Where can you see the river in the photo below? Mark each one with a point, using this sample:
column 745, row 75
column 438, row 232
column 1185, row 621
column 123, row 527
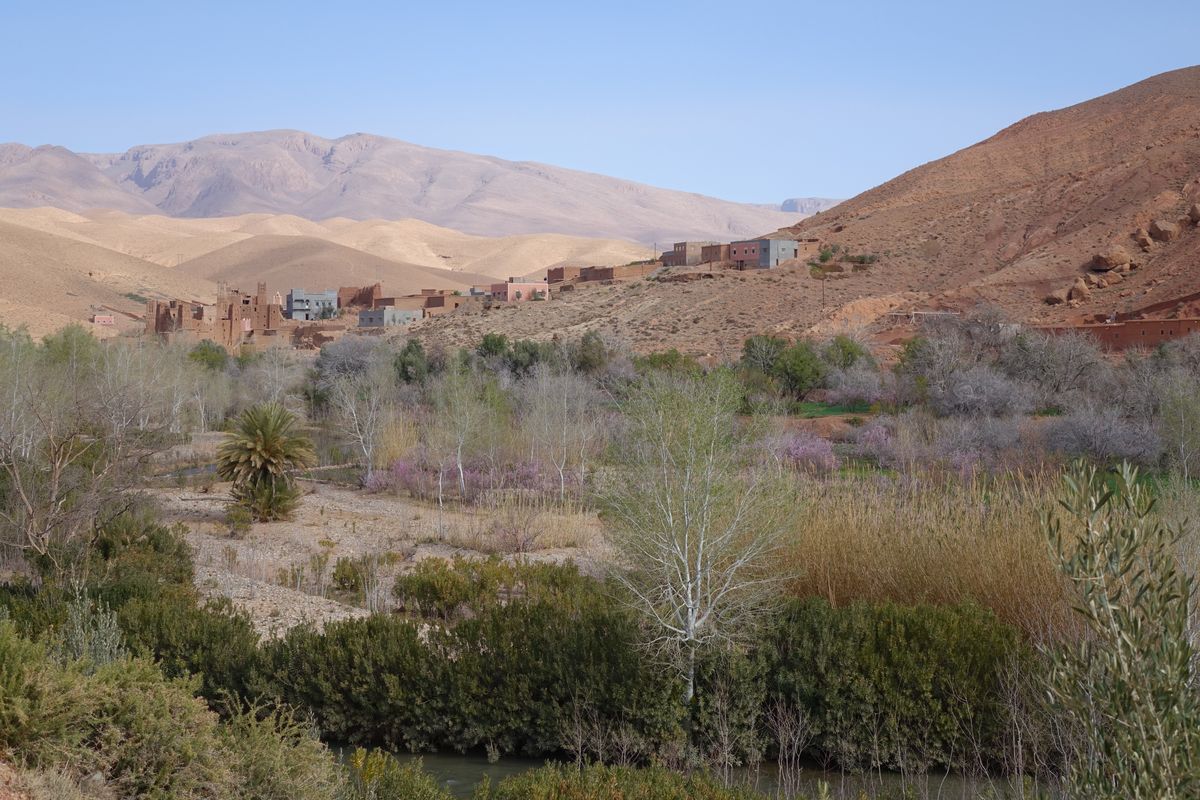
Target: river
column 460, row 774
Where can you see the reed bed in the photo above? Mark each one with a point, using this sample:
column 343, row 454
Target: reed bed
column 931, row 539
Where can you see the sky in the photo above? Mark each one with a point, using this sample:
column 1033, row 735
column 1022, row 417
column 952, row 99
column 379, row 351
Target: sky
column 753, row 100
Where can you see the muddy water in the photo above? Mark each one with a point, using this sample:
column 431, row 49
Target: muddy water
column 460, row 774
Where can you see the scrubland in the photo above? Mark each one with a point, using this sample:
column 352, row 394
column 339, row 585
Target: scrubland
column 559, row 550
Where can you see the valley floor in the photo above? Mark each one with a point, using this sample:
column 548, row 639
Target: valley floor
column 281, row 573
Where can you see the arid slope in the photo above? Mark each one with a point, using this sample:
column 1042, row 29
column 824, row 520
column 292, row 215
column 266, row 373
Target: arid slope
column 285, row 262
column 1025, row 211
column 1006, row 221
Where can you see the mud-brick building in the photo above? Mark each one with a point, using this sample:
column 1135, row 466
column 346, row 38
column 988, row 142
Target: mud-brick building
column 514, row 291
column 762, row 253
column 562, row 274
column 236, row 318
column 359, row 296
column 714, row 253
column 1147, row 333
column 685, row 254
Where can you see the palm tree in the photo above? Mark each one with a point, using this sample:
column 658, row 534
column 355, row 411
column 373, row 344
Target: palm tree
column 258, row 457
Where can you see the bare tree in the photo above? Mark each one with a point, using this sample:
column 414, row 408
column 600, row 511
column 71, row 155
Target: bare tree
column 1179, row 421
column 460, row 418
column 273, row 377
column 793, row 732
column 364, row 404
column 695, row 523
column 562, row 414
column 73, row 432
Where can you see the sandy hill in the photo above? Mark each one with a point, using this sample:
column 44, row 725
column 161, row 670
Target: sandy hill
column 1025, row 211
column 1005, row 221
column 171, row 241
column 49, row 281
column 369, row 177
column 286, row 262
column 59, row 266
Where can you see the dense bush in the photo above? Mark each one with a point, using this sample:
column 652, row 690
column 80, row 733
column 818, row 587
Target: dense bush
column 143, row 735
column 213, row 642
column 508, row 675
column 979, row 390
column 1104, row 434
column 893, row 686
column 800, row 369
column 514, row 660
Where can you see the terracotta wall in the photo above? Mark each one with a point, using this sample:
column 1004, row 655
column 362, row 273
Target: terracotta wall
column 1148, row 333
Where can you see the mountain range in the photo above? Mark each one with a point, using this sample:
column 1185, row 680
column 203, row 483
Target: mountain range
column 362, row 176
column 1044, row 206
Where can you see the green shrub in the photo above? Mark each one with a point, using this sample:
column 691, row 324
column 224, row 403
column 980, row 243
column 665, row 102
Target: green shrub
column 136, row 557
column 37, row 702
column 214, row 642
column 437, row 589
column 268, row 500
column 346, row 575
column 147, row 736
column 276, row 757
column 842, row 352
column 142, row 735
column 890, row 686
column 365, row 681
column 799, row 369
column 373, row 775
column 539, row 644
column 239, row 519
column 667, row 361
column 492, row 345
column 210, row 355
column 150, row 737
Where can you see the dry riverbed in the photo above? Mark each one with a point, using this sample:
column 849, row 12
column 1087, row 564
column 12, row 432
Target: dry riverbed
column 283, row 573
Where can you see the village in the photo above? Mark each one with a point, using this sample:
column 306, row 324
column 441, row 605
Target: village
column 307, row 319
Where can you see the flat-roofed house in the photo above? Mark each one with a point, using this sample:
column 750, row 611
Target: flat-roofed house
column 513, row 291
column 762, row 253
column 685, row 254
column 387, row 317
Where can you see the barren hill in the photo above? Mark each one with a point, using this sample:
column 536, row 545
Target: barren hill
column 50, row 281
column 54, row 176
column 1005, row 221
column 171, row 241
column 369, row 177
column 285, row 262
column 58, row 267
column 1024, row 212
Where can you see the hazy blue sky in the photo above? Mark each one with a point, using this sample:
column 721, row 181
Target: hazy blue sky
column 748, row 100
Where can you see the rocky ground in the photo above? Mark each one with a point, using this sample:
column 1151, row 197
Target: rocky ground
column 282, row 573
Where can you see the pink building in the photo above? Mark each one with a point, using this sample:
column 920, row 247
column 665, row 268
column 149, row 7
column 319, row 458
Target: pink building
column 514, row 291
column 107, row 320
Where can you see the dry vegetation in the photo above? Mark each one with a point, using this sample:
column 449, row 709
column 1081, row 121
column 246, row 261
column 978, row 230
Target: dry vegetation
column 931, row 539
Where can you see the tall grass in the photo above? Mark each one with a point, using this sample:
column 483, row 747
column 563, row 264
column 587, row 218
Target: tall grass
column 930, row 539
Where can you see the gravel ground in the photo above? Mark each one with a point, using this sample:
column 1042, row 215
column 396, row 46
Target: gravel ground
column 281, row 572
